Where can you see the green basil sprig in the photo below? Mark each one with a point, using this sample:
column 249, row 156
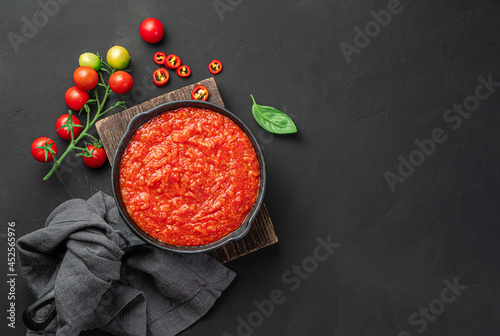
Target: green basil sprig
column 272, row 120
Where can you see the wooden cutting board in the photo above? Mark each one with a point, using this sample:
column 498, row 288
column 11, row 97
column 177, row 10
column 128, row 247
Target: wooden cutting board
column 112, row 128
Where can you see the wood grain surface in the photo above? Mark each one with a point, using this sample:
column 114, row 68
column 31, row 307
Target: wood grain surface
column 112, row 128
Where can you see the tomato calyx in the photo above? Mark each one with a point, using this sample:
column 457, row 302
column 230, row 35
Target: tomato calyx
column 160, row 77
column 172, row 62
column 183, row 71
column 159, row 58
column 215, row 67
column 69, row 126
column 86, row 152
column 200, row 92
column 93, row 154
column 47, row 149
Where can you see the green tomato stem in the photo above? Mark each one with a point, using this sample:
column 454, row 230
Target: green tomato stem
column 93, row 138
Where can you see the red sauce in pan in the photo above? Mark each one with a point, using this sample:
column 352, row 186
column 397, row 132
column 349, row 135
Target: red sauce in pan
column 189, row 177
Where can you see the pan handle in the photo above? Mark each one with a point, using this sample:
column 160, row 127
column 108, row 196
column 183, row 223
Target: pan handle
column 128, row 237
column 35, row 323
column 30, row 318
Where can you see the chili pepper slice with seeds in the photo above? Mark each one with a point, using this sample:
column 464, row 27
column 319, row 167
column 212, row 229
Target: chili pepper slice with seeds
column 160, row 77
column 172, row 62
column 215, row 67
column 159, row 57
column 184, row 71
column 199, row 92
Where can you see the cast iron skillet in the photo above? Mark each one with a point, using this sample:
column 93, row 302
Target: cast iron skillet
column 126, row 226
column 143, row 118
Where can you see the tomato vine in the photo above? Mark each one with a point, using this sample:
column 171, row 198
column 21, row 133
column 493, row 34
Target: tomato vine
column 101, row 110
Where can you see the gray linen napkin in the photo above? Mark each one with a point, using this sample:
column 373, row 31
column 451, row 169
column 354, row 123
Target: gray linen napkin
column 100, row 283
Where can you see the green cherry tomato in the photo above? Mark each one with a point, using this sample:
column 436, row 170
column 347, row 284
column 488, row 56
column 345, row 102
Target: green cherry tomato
column 118, row 58
column 90, row 60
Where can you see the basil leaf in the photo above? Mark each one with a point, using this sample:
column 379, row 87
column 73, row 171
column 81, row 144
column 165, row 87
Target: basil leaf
column 272, row 120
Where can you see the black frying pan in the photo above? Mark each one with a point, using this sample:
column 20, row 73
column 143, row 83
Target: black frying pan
column 143, row 118
column 126, row 226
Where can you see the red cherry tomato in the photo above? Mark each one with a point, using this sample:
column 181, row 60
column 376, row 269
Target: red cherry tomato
column 159, row 57
column 63, row 130
column 172, row 62
column 75, row 98
column 44, row 149
column 184, row 71
column 121, row 82
column 85, row 78
column 98, row 157
column 151, row 30
column 200, row 92
column 160, row 77
column 215, row 67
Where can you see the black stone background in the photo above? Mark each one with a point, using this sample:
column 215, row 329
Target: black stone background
column 354, row 119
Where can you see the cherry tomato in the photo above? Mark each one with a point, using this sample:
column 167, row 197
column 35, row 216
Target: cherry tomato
column 44, row 149
column 215, row 67
column 199, row 92
column 91, row 60
column 63, row 129
column 172, row 62
column 98, row 156
column 184, row 71
column 75, row 98
column 151, row 30
column 159, row 57
column 121, row 82
column 118, row 58
column 160, row 77
column 85, row 78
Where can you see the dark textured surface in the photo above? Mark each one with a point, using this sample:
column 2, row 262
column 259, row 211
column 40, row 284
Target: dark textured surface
column 355, row 119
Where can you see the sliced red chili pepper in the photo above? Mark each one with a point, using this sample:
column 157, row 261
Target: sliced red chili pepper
column 199, row 93
column 172, row 62
column 215, row 67
column 159, row 58
column 160, row 77
column 184, row 71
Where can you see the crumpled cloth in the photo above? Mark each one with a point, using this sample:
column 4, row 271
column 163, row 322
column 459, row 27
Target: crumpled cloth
column 100, row 283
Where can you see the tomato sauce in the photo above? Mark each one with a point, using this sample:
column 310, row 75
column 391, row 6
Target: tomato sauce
column 189, row 177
